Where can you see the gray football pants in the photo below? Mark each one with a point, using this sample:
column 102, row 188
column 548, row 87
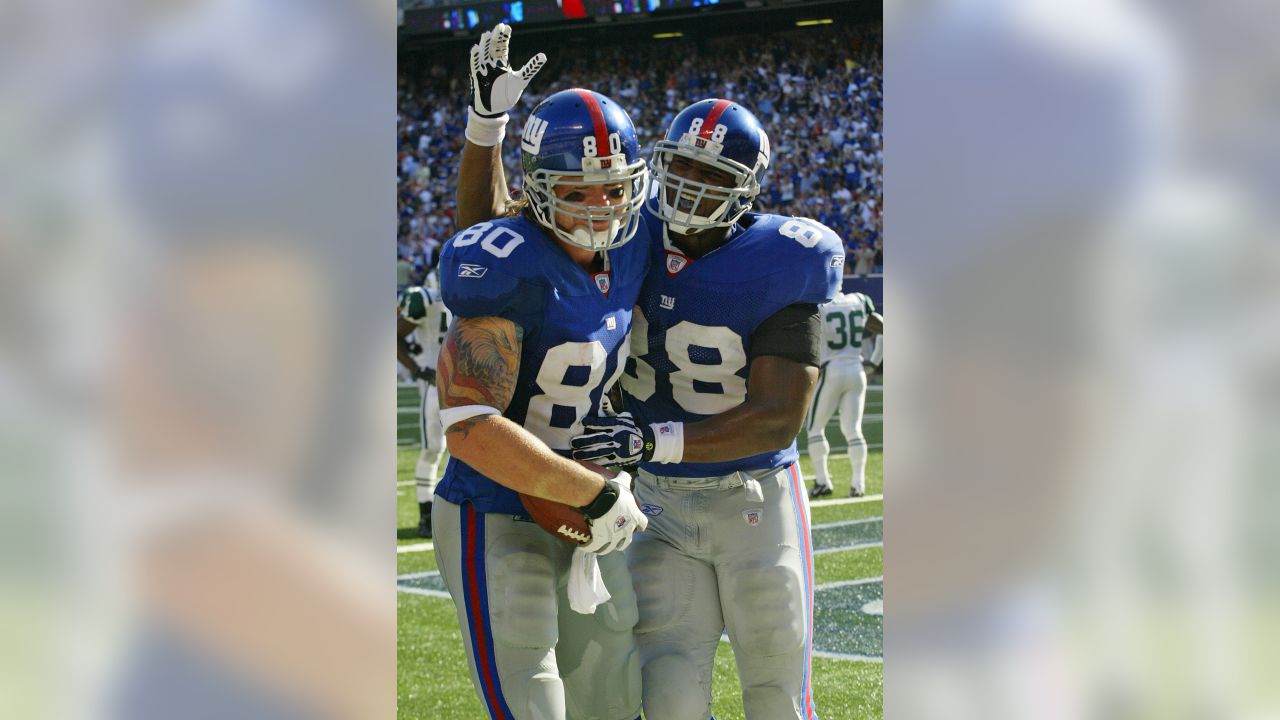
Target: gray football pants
column 725, row 553
column 531, row 657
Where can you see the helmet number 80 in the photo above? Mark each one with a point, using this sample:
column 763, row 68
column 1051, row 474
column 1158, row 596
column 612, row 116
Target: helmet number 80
column 589, row 145
column 717, row 135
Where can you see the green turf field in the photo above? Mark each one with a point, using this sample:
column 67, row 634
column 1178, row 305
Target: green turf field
column 433, row 683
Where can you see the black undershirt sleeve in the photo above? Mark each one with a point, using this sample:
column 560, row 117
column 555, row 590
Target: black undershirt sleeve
column 794, row 332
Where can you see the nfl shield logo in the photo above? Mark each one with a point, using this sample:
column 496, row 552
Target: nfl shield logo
column 676, row 263
column 602, row 281
column 752, row 517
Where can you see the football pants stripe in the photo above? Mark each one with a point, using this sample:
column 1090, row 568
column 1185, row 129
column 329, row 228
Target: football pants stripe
column 802, row 522
column 475, row 587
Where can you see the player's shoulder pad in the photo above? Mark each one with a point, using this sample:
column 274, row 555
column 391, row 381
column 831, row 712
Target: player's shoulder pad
column 413, row 304
column 812, row 256
column 492, row 268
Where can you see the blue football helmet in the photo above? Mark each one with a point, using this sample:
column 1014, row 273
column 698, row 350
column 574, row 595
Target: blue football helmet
column 725, row 137
column 579, row 137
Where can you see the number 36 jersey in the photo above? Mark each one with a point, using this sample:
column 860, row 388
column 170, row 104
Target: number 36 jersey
column 691, row 336
column 574, row 323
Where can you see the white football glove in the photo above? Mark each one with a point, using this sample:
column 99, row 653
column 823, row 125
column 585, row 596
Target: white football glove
column 613, row 524
column 495, row 87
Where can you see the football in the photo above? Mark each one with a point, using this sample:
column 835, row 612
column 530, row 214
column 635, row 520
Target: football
column 564, row 521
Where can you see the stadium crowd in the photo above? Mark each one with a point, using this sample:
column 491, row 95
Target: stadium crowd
column 817, row 90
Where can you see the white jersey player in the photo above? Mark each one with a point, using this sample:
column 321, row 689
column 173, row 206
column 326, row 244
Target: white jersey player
column 423, row 315
column 846, row 321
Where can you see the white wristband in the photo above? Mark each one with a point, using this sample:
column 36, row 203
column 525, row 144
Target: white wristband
column 451, row 416
column 483, row 131
column 668, row 442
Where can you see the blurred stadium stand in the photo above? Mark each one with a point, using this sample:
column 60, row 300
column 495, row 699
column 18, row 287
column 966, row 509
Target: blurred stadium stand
column 810, row 70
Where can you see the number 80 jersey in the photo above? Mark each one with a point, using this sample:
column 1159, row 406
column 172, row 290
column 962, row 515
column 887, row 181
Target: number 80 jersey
column 574, row 333
column 691, row 340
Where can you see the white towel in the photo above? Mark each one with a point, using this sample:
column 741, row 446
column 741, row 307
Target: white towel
column 586, row 585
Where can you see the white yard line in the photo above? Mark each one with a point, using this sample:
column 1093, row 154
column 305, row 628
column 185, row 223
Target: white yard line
column 425, row 591
column 847, row 523
column 416, row 547
column 846, row 500
column 843, row 548
column 846, row 583
column 847, row 656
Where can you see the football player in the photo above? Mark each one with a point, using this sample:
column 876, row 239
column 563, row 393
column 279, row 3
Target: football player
column 842, row 385
column 543, row 302
column 725, row 354
column 423, row 315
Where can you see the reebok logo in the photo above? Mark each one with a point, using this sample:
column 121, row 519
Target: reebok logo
column 837, row 261
column 471, row 271
column 651, row 510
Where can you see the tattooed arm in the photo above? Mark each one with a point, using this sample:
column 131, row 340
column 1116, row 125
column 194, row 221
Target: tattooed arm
column 478, row 365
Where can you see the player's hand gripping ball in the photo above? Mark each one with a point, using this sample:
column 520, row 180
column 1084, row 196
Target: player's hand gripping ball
column 614, row 520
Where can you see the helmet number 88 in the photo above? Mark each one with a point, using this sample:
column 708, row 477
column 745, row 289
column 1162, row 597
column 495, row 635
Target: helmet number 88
column 717, row 135
column 589, row 145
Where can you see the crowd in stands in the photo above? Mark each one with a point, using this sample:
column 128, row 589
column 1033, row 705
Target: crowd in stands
column 818, row 91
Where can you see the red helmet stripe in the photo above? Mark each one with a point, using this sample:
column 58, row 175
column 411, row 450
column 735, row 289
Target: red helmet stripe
column 713, row 117
column 597, row 120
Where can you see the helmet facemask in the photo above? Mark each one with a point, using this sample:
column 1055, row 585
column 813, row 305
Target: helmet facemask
column 623, row 218
column 680, row 200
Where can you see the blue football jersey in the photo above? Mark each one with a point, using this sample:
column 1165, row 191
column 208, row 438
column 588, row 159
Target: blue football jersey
column 575, row 326
column 691, row 336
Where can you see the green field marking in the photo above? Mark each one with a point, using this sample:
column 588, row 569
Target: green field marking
column 847, row 534
column 819, row 514
column 846, row 620
column 848, row 565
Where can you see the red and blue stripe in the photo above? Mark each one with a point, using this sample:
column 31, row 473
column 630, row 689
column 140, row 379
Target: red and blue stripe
column 798, row 498
column 597, row 121
column 475, row 588
column 713, row 117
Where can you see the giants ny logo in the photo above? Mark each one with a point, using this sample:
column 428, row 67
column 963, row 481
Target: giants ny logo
column 531, row 140
column 667, row 302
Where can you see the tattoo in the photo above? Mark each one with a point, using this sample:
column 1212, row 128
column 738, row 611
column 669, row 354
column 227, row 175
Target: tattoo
column 479, row 363
column 462, row 428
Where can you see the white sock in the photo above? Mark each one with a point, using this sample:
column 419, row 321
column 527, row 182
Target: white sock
column 858, row 459
column 819, row 450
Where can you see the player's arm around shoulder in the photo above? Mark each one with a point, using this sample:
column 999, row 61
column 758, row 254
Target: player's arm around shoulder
column 476, row 379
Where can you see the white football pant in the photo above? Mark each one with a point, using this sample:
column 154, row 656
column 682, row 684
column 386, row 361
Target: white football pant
column 717, row 557
column 431, row 434
column 842, row 386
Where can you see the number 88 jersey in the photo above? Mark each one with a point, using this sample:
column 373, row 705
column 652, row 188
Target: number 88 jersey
column 574, row 333
column 691, row 335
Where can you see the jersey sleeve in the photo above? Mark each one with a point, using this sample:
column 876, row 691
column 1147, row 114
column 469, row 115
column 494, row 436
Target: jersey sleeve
column 813, row 270
column 475, row 283
column 870, row 305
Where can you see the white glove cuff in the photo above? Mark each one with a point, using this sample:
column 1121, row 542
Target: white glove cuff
column 483, row 131
column 668, row 442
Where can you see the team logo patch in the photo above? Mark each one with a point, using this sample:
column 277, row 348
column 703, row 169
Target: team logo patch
column 611, row 323
column 651, row 510
column 531, row 138
column 602, row 282
column 667, row 302
column 471, row 271
column 752, row 517
column 676, row 262
column 636, row 444
column 837, row 261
